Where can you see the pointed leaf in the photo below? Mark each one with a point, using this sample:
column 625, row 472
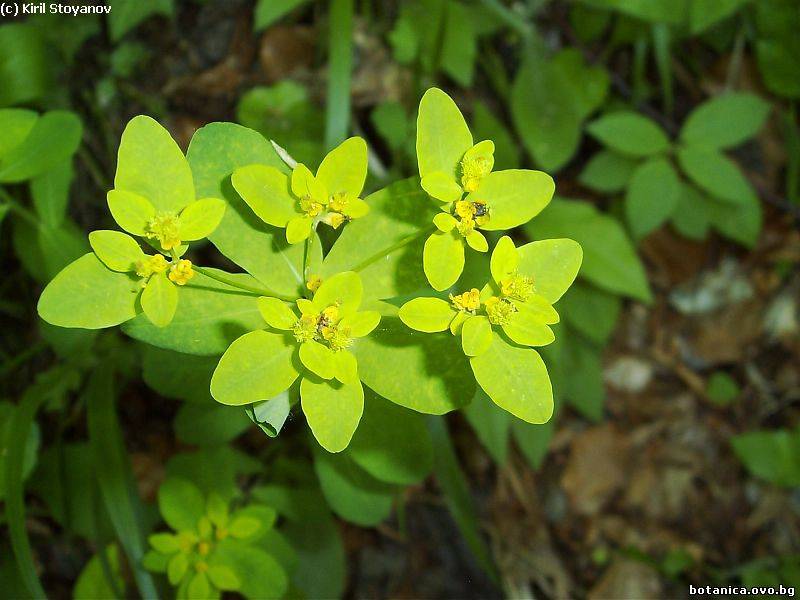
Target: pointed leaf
column 513, row 197
column 725, row 121
column 477, row 241
column 516, row 380
column 344, row 169
column 553, row 264
column 505, row 259
column 119, row 252
column 442, row 134
column 652, row 196
column 629, row 133
column 443, row 259
column 716, row 174
column 427, row 314
column 333, row 410
column 305, row 185
column 257, row 366
column 200, row 218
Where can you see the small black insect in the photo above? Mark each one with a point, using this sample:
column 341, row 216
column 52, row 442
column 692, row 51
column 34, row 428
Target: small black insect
column 481, row 209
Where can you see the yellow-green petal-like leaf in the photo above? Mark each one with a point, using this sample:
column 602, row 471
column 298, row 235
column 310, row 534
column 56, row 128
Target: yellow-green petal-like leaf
column 514, row 196
column 152, row 165
column 257, row 366
column 476, row 336
column 442, row 186
column 131, row 211
column 159, row 300
column 344, row 169
column 200, row 218
column 276, row 313
column 119, row 252
column 442, row 134
column 527, row 329
column 266, row 191
column 16, row 124
column 86, row 294
column 224, row 578
column 476, row 241
column 344, row 289
column 356, row 207
column 318, row 359
column 333, row 410
column 305, row 185
column 444, row 222
column 362, row 323
column 537, row 306
column 443, row 259
column 346, row 366
column 505, row 259
column 553, row 264
column 516, row 380
column 298, row 229
column 427, row 314
column 458, row 322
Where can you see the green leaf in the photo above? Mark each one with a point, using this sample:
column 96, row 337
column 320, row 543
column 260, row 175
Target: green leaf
column 426, row 373
column 362, row 323
column 257, row 366
column 777, row 62
column 119, row 252
column 351, row 492
column 50, row 192
column 591, row 311
column 515, row 379
column 533, row 440
column 459, row 44
column 223, row 578
column 652, row 196
column 159, row 300
column 199, row 586
column 629, row 133
column 550, row 100
column 654, row 11
column 391, row 443
column 208, row 424
column 722, row 389
column 124, row 16
column 268, row 12
column 92, row 581
column 180, row 376
column 200, row 218
column 112, row 471
column 725, row 121
column 716, row 174
column 222, row 314
column 181, row 504
column 16, row 124
column 609, row 259
column 476, row 336
column 26, row 74
column 266, row 191
column 441, row 186
column 343, row 289
column 442, row 134
column 333, row 410
column 741, row 224
column 276, row 313
column 45, row 250
column 318, row 359
column 504, row 260
column 88, row 295
column 242, row 237
column 385, row 247
column 131, row 211
column 270, row 415
column 553, row 264
column 259, row 573
column 584, row 388
column 527, row 329
column 487, row 127
column 151, row 164
column 177, row 567
column 770, row 455
column 299, row 229
column 705, row 13
column 491, row 424
column 691, row 215
column 166, row 543
column 54, row 137
column 608, row 172
column 344, row 169
column 427, row 314
column 443, row 259
column 514, row 197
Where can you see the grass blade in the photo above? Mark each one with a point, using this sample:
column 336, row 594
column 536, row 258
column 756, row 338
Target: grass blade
column 114, row 475
column 454, row 486
column 340, row 44
column 21, row 424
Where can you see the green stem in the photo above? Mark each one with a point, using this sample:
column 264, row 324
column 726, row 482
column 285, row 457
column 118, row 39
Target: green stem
column 258, row 291
column 515, row 21
column 396, row 246
column 18, row 209
column 340, row 43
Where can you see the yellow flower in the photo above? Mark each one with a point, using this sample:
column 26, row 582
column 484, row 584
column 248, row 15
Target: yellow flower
column 465, row 209
column 468, row 301
column 164, row 228
column 152, row 264
column 313, row 283
column 181, row 272
column 338, row 202
column 473, row 169
column 499, row 310
column 305, row 328
column 338, row 338
column 335, row 219
column 310, row 207
column 518, row 287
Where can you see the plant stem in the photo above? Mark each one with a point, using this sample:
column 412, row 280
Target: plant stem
column 255, row 290
column 396, row 246
column 18, row 209
column 514, row 20
column 340, row 44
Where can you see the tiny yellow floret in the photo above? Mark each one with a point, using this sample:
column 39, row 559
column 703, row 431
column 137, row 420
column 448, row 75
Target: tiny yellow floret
column 313, row 283
column 338, row 202
column 201, row 566
column 473, row 169
column 338, row 337
column 499, row 310
column 465, row 209
column 468, row 301
column 181, row 272
column 150, row 265
column 164, row 227
column 518, row 287
column 335, row 219
column 305, row 328
column 203, row 548
column 311, row 207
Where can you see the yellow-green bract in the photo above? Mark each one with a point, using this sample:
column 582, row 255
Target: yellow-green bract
column 512, row 311
column 458, row 175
